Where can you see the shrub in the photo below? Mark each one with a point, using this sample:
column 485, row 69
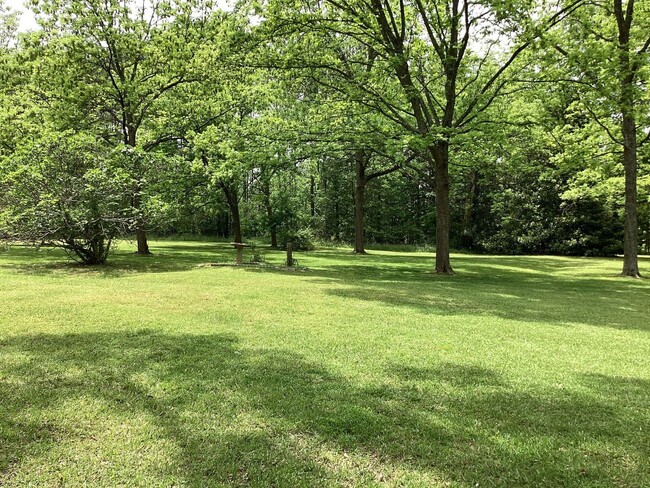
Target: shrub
column 256, row 256
column 67, row 191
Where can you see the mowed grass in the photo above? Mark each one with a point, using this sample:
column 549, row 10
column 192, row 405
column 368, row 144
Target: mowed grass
column 359, row 371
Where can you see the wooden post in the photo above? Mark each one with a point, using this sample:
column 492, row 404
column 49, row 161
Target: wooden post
column 239, row 255
column 289, row 254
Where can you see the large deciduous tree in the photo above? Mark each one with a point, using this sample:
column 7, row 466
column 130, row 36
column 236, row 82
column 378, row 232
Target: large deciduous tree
column 606, row 50
column 120, row 59
column 433, row 70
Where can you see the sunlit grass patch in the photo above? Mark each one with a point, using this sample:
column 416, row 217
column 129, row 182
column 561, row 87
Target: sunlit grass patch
column 363, row 370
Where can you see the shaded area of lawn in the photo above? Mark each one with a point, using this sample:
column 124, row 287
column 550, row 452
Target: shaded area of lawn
column 554, row 290
column 169, row 257
column 271, row 417
column 361, row 371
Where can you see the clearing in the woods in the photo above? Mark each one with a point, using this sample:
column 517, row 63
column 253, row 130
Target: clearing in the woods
column 357, row 371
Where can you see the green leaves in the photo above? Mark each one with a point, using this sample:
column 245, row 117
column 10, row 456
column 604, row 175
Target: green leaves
column 67, row 190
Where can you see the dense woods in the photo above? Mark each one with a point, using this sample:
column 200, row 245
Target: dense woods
column 496, row 127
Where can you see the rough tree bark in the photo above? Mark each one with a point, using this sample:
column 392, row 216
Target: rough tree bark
column 468, row 214
column 630, row 241
column 266, row 191
column 628, row 129
column 360, row 161
column 230, row 191
column 140, row 233
column 312, row 196
column 362, row 178
column 443, row 213
column 130, row 136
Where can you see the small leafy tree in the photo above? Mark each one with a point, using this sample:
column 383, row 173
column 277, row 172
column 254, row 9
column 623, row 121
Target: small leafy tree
column 112, row 63
column 68, row 191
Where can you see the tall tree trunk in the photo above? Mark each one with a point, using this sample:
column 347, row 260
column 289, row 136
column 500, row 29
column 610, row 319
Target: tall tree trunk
column 443, row 213
column 266, row 190
column 359, row 201
column 141, row 237
column 337, row 219
column 628, row 129
column 140, row 224
column 140, row 233
column 233, row 204
column 468, row 214
column 630, row 242
column 312, row 196
column 469, row 202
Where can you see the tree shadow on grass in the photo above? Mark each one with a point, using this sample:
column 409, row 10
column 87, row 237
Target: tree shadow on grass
column 462, row 262
column 122, row 262
column 534, row 289
column 523, row 288
column 269, row 417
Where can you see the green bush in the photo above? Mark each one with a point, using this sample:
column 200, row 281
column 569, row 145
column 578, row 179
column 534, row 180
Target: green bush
column 67, row 190
column 256, row 256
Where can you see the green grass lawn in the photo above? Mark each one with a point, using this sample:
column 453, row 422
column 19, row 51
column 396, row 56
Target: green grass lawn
column 359, row 371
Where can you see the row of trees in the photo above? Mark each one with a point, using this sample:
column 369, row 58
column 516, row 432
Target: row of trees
column 499, row 127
